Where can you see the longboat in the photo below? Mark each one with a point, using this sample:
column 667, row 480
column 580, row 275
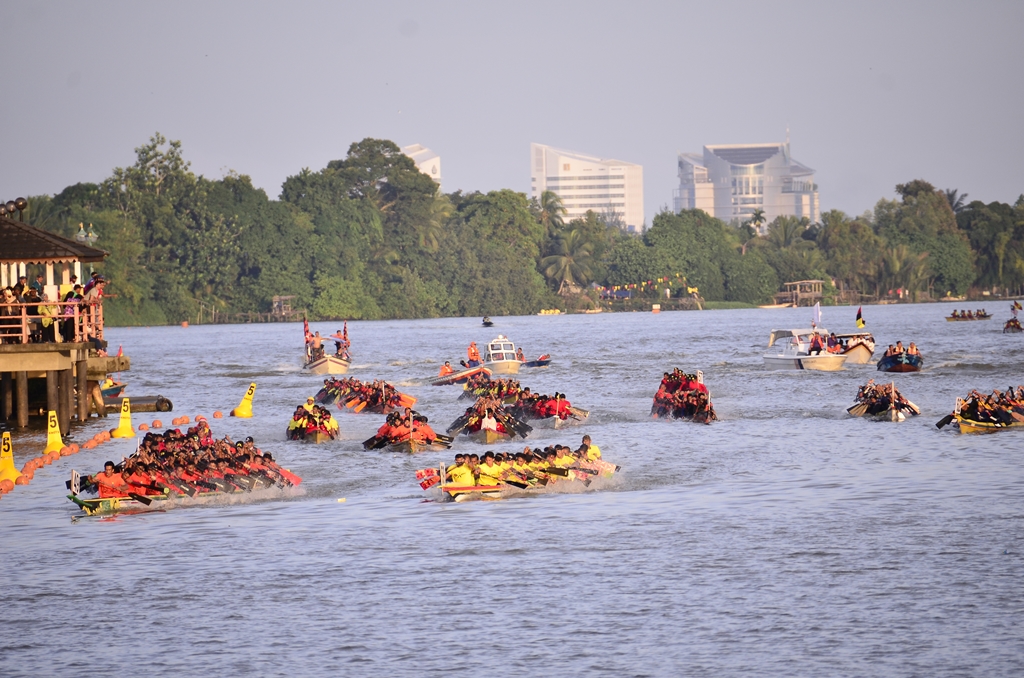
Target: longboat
column 1012, row 326
column 143, row 503
column 901, row 362
column 571, row 479
column 793, row 352
column 979, row 316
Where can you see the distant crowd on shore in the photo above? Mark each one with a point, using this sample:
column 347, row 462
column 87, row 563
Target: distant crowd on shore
column 49, row 317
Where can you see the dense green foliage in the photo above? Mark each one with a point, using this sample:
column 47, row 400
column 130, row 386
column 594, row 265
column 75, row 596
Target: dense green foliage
column 369, row 236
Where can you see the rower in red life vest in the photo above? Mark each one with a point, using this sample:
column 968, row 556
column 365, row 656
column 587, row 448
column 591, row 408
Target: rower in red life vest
column 446, row 369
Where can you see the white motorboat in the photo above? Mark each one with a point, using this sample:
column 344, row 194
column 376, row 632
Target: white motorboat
column 858, row 347
column 792, row 352
column 500, row 356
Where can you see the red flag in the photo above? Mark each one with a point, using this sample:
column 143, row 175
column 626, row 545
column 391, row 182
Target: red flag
column 120, row 350
column 344, row 332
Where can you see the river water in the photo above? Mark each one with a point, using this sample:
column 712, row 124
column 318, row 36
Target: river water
column 786, row 539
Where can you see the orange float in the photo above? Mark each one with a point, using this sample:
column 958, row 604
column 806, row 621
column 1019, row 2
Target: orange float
column 6, row 485
column 143, row 426
column 157, row 423
column 218, row 415
column 184, row 419
column 22, row 480
column 200, row 417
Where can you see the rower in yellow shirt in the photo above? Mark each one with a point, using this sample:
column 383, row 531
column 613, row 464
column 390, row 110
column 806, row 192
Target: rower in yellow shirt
column 593, row 451
column 563, row 459
column 310, row 403
column 490, row 473
column 461, row 475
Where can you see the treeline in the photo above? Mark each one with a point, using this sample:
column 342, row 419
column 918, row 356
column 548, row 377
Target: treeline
column 369, row 237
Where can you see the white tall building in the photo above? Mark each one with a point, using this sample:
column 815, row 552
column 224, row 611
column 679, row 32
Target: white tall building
column 731, row 181
column 585, row 182
column 426, row 160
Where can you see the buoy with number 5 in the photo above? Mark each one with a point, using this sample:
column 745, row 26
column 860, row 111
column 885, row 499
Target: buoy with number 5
column 7, row 470
column 124, row 427
column 244, row 409
column 53, row 439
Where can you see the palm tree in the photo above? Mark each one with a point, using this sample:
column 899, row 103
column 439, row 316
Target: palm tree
column 956, row 200
column 551, row 211
column 430, row 231
column 570, row 262
column 785, row 231
column 757, row 219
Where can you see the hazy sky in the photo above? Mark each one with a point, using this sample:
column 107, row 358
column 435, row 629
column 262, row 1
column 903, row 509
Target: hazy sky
column 873, row 93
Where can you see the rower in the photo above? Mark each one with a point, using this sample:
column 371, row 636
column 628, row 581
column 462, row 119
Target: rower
column 111, row 483
column 593, row 451
column 489, row 472
column 446, row 369
column 488, row 422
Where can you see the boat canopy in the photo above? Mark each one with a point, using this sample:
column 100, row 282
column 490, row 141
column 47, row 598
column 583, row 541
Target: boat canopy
column 500, row 348
column 785, row 334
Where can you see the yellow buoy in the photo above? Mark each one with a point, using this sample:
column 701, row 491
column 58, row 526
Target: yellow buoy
column 244, row 409
column 53, row 439
column 7, row 470
column 124, row 426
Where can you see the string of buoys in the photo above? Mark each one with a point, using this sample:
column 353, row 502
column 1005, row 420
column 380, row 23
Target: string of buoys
column 55, row 447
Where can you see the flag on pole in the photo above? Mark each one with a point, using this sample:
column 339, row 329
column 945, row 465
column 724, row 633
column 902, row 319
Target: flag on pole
column 120, row 350
column 305, row 329
column 860, row 319
column 816, row 318
column 1016, row 305
column 345, row 333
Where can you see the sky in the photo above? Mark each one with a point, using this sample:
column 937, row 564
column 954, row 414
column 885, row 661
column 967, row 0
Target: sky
column 873, row 93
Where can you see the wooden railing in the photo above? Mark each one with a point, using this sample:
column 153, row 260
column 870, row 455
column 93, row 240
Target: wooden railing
column 77, row 320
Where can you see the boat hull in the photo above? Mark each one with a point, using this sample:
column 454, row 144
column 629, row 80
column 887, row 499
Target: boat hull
column 504, row 366
column 1011, row 329
column 968, row 426
column 318, row 437
column 414, row 446
column 826, row 362
column 901, row 363
column 539, row 362
column 459, row 377
column 488, row 436
column 967, row 320
column 329, row 364
column 860, row 354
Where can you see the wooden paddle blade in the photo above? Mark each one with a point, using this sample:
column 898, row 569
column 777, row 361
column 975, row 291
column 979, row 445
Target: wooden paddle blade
column 369, row 443
column 858, row 410
column 516, row 483
column 555, row 471
column 138, row 497
column 944, row 421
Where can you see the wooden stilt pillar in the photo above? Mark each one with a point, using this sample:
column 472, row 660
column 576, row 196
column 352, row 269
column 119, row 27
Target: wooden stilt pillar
column 6, row 396
column 51, row 390
column 81, row 385
column 65, row 396
column 21, row 394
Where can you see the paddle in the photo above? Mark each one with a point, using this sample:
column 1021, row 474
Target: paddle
column 369, row 443
column 139, row 498
column 858, row 409
column 944, row 421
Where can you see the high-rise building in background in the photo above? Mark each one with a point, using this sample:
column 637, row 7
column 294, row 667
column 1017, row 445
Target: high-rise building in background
column 731, row 181
column 585, row 182
column 426, row 160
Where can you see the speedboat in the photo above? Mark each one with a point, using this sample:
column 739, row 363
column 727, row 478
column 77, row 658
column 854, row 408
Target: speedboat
column 487, row 322
column 858, row 347
column 792, row 352
column 500, row 356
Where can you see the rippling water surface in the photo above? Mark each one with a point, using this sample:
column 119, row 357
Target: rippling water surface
column 786, row 539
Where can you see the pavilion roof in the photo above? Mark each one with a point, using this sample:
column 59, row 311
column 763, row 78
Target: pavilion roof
column 21, row 243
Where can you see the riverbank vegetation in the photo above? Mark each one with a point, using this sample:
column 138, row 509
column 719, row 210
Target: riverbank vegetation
column 369, row 236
